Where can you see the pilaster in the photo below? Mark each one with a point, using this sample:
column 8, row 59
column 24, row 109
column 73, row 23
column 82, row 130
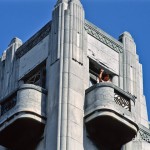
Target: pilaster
column 133, row 78
column 129, row 62
column 8, row 67
column 67, row 55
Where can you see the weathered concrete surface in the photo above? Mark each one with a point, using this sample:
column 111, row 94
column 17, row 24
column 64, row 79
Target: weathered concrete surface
column 68, row 44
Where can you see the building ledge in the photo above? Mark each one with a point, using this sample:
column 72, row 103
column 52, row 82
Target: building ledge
column 34, row 40
column 23, row 116
column 109, row 115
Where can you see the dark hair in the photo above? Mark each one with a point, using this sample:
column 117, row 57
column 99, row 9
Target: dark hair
column 104, row 74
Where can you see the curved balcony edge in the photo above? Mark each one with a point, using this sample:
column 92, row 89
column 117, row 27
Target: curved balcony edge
column 23, row 101
column 32, row 86
column 112, row 114
column 23, row 117
column 24, row 86
column 108, row 96
column 108, row 84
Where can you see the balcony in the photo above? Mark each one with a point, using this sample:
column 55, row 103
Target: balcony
column 22, row 117
column 109, row 116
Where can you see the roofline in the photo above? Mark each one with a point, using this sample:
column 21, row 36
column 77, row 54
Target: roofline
column 34, row 40
column 103, row 37
column 91, row 29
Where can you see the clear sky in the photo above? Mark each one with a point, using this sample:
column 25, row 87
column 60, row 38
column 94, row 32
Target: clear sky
column 23, row 18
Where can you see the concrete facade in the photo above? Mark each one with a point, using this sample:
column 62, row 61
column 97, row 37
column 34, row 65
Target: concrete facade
column 50, row 98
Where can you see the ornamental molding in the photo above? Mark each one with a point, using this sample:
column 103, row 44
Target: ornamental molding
column 103, row 37
column 90, row 28
column 34, row 40
column 144, row 135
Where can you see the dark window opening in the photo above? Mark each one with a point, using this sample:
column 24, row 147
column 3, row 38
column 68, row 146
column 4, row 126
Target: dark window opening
column 93, row 72
column 8, row 104
column 96, row 76
column 37, row 76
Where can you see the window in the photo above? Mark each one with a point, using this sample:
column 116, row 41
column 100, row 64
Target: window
column 37, row 76
column 8, row 104
column 94, row 71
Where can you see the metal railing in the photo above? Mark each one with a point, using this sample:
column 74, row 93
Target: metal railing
column 145, row 135
column 113, row 94
column 8, row 104
column 122, row 100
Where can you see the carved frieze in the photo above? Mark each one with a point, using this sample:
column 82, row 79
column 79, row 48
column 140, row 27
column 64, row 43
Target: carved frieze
column 96, row 33
column 34, row 40
column 93, row 31
column 144, row 135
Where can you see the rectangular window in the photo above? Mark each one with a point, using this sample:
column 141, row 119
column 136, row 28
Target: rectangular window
column 93, row 72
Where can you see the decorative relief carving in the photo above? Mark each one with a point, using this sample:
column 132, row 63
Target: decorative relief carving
column 144, row 135
column 123, row 102
column 46, row 30
column 103, row 38
column 34, row 40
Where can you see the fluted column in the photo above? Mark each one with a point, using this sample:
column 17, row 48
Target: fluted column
column 67, row 55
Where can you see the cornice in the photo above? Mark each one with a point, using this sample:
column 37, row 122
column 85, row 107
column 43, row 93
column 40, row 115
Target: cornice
column 34, row 40
column 89, row 27
column 103, row 37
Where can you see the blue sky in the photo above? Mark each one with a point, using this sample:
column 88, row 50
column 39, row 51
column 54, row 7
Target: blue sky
column 23, row 18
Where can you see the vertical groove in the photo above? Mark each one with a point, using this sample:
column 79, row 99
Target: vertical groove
column 71, row 31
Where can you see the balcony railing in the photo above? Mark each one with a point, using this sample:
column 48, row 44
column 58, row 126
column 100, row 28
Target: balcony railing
column 107, row 95
column 109, row 114
column 8, row 104
column 122, row 100
column 144, row 134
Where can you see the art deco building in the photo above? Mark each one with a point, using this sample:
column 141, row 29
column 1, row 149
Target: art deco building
column 50, row 98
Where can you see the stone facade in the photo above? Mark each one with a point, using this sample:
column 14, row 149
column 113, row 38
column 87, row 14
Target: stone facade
column 50, row 98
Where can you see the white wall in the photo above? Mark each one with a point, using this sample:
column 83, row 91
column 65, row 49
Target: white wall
column 34, row 57
column 103, row 54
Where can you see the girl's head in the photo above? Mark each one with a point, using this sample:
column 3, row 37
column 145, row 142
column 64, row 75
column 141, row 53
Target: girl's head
column 105, row 77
